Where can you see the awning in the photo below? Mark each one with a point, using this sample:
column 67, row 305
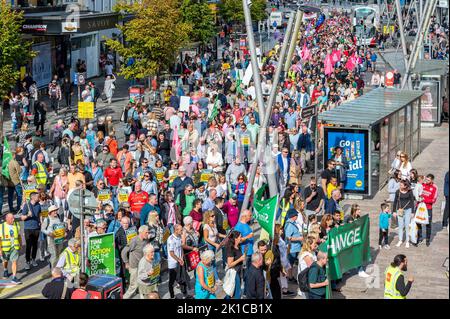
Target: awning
column 370, row 108
column 431, row 67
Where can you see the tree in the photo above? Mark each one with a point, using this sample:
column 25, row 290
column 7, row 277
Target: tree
column 13, row 50
column 152, row 39
column 232, row 11
column 198, row 14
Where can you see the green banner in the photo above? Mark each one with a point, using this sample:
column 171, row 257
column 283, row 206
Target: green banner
column 265, row 211
column 348, row 247
column 101, row 255
column 7, row 157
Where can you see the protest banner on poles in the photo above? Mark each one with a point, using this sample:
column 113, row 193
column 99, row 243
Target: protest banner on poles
column 265, row 211
column 101, row 255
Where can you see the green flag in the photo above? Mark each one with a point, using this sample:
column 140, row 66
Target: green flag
column 215, row 110
column 348, row 247
column 238, row 84
column 7, row 157
column 265, row 211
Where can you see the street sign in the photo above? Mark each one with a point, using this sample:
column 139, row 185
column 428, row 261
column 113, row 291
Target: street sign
column 308, row 111
column 73, row 199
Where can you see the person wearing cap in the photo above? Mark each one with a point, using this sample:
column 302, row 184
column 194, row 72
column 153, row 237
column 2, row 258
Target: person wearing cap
column 293, row 238
column 56, row 233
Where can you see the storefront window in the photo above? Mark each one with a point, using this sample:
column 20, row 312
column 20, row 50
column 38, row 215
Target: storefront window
column 401, row 130
column 393, row 133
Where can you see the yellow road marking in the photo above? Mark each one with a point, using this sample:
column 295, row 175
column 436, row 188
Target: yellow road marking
column 35, row 296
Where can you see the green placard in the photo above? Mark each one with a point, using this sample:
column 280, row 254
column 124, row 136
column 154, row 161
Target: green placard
column 102, row 254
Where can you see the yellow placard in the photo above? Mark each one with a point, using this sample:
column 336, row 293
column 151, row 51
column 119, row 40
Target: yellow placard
column 123, row 195
column 206, row 175
column 225, row 224
column 172, row 175
column 131, row 233
column 28, row 189
column 210, row 278
column 86, row 110
column 59, row 233
column 388, row 31
column 44, row 213
column 246, row 140
column 159, row 174
column 104, row 195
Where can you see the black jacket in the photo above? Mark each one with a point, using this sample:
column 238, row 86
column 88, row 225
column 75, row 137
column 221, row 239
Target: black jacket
column 54, row 289
column 255, row 283
column 121, row 239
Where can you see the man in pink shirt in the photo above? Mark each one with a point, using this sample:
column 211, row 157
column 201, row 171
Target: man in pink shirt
column 231, row 209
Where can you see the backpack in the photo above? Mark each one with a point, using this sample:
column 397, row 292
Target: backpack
column 303, row 279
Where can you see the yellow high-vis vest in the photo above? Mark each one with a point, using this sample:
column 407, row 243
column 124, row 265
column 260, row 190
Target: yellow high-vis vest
column 390, row 292
column 41, row 176
column 72, row 264
column 6, row 236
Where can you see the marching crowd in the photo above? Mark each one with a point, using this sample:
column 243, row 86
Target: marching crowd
column 173, row 189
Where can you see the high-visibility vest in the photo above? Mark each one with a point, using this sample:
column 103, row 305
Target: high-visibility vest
column 72, row 264
column 6, row 236
column 390, row 292
column 284, row 209
column 41, row 176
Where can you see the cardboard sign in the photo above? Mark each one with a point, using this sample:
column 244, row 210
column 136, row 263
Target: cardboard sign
column 86, row 110
column 104, row 195
column 102, row 255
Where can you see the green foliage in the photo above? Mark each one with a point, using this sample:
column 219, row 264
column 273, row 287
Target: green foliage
column 14, row 51
column 153, row 38
column 232, row 11
column 198, row 14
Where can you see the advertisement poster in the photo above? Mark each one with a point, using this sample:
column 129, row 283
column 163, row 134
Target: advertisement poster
column 354, row 144
column 101, row 254
column 42, row 64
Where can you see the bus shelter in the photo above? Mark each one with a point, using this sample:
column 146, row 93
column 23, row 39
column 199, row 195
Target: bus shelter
column 370, row 130
column 431, row 77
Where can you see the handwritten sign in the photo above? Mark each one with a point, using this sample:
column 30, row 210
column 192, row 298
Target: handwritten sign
column 86, row 110
column 102, row 255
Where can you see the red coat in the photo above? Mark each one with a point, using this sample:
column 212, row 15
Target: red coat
column 429, row 194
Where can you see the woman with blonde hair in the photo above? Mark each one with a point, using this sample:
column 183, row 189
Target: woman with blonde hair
column 405, row 166
column 22, row 134
column 307, row 255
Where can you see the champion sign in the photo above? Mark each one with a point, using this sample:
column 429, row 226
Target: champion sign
column 35, row 27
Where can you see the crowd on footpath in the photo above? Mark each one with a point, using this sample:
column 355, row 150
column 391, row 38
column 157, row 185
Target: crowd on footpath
column 172, row 190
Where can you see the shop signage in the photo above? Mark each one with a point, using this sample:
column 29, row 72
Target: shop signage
column 69, row 26
column 354, row 145
column 98, row 23
column 34, row 28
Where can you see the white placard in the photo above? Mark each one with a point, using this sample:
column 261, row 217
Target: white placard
column 247, row 75
column 184, row 103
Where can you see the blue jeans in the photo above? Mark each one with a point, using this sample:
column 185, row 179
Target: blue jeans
column 237, row 288
column 403, row 222
column 114, row 198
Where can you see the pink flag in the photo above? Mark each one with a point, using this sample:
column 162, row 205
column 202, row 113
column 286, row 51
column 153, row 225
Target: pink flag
column 305, row 53
column 351, row 62
column 328, row 65
column 336, row 56
column 176, row 144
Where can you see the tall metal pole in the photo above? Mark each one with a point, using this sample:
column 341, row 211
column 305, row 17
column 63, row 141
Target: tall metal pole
column 418, row 42
column 254, row 60
column 293, row 44
column 402, row 32
column 83, row 257
column 263, row 129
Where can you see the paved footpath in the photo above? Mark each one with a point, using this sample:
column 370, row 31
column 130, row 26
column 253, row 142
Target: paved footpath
column 424, row 263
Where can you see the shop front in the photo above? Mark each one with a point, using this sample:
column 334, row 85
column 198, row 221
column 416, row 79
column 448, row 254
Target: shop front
column 370, row 131
column 59, row 40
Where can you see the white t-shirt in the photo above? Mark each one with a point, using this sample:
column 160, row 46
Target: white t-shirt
column 405, row 170
column 301, row 260
column 174, row 244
